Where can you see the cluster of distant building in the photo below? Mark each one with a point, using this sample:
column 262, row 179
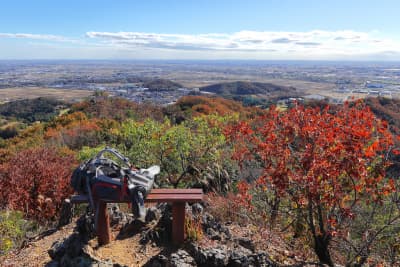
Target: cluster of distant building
column 140, row 94
column 371, row 88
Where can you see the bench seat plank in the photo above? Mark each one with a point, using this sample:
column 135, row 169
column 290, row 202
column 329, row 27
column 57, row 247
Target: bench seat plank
column 156, row 195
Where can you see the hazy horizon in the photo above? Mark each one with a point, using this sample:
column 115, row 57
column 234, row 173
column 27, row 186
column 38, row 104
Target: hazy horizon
column 207, row 61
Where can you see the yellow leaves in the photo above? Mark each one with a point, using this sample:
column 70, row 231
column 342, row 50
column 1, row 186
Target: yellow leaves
column 115, row 131
column 327, row 187
column 193, row 228
column 5, row 244
column 344, row 202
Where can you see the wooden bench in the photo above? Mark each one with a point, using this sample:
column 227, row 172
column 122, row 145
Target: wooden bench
column 177, row 197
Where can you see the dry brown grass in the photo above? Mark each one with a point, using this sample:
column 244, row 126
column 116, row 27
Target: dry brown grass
column 19, row 93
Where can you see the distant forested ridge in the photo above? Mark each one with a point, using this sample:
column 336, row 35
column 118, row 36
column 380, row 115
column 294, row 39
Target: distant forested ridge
column 247, row 88
column 31, row 110
column 161, row 85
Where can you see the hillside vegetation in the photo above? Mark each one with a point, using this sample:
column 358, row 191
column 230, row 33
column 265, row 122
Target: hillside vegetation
column 188, row 107
column 310, row 179
column 16, row 115
column 31, row 110
column 248, row 88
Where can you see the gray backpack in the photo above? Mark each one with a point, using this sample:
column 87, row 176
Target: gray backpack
column 102, row 178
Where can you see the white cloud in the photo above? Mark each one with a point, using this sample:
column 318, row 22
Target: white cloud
column 319, row 43
column 48, row 37
column 316, row 44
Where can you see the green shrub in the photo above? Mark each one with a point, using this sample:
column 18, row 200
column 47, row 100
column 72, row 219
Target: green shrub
column 13, row 228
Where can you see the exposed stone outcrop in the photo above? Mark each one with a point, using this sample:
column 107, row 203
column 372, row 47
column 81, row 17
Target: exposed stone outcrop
column 214, row 229
column 181, row 258
column 226, row 251
column 225, row 256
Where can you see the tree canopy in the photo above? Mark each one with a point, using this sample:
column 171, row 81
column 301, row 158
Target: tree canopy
column 325, row 162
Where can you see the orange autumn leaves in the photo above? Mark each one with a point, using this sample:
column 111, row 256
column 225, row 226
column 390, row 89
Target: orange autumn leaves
column 314, row 155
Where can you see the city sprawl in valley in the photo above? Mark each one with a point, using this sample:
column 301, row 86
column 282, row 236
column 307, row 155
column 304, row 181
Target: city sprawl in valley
column 164, row 82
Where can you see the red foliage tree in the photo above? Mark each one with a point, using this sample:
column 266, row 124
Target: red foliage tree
column 74, row 130
column 36, row 181
column 104, row 107
column 324, row 161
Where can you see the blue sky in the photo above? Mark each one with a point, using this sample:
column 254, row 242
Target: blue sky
column 202, row 29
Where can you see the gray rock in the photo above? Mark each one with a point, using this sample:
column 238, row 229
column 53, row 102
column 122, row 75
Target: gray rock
column 158, row 261
column 72, row 252
column 214, row 229
column 240, row 257
column 223, row 256
column 263, row 260
column 197, row 208
column 73, row 245
column 228, row 235
column 210, row 257
column 85, row 226
column 246, row 243
column 66, row 213
column 135, row 226
column 182, row 259
column 81, row 262
column 106, row 263
column 210, row 232
column 116, row 215
column 89, row 252
column 199, row 255
column 218, row 257
column 66, row 261
column 57, row 250
column 153, row 213
column 213, row 234
column 208, row 220
column 52, row 263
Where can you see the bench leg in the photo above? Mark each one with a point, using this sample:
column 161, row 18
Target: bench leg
column 178, row 223
column 103, row 224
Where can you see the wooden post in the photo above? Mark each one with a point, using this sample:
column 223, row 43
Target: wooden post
column 103, row 223
column 178, row 222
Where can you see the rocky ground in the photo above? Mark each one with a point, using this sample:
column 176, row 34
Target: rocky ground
column 138, row 243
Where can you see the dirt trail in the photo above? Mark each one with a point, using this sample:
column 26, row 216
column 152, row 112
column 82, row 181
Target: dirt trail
column 126, row 251
column 35, row 253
